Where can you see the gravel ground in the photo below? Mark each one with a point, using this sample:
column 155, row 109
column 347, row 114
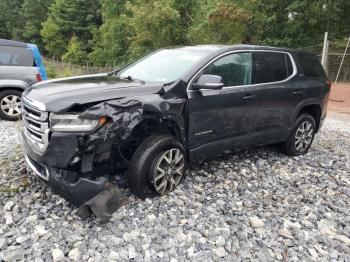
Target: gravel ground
column 255, row 205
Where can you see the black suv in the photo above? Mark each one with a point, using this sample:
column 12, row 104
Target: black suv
column 157, row 114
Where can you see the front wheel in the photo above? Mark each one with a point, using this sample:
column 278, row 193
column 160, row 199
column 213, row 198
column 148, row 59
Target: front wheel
column 302, row 136
column 10, row 105
column 157, row 167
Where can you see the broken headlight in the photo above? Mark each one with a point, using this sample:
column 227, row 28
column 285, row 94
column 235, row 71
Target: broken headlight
column 74, row 123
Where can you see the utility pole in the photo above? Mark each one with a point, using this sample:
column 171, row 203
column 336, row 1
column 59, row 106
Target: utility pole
column 325, row 50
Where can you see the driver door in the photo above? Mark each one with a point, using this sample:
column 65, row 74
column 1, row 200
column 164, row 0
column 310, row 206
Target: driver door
column 222, row 119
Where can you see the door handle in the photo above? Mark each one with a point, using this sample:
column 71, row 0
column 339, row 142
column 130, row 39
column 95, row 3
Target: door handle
column 298, row 92
column 249, row 97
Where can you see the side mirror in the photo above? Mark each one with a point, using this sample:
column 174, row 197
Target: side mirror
column 208, row 82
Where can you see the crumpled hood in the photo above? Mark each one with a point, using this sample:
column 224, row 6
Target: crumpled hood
column 62, row 94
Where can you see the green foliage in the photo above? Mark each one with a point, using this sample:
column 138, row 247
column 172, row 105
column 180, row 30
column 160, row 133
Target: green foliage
column 51, row 71
column 75, row 52
column 114, row 32
column 219, row 22
column 68, row 18
column 112, row 39
column 10, row 21
column 155, row 23
column 297, row 23
column 33, row 12
column 67, row 72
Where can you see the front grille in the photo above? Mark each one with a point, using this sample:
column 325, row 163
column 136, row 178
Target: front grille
column 36, row 126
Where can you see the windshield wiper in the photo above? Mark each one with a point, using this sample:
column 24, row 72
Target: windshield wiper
column 132, row 79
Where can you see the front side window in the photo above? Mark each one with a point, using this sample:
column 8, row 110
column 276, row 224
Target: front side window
column 271, row 67
column 16, row 56
column 235, row 69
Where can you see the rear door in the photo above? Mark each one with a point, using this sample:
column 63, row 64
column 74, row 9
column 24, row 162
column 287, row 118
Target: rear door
column 279, row 93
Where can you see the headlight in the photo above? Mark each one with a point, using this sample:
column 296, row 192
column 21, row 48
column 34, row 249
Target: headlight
column 74, row 123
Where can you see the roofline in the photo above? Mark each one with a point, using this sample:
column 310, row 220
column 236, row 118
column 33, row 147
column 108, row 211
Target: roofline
column 6, row 42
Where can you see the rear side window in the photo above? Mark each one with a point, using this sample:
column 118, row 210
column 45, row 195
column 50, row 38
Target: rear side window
column 16, row 56
column 310, row 65
column 271, row 67
column 235, row 69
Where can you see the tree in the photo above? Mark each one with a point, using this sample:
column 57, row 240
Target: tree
column 33, row 13
column 10, row 19
column 156, row 23
column 297, row 23
column 75, row 52
column 68, row 18
column 219, row 22
column 112, row 39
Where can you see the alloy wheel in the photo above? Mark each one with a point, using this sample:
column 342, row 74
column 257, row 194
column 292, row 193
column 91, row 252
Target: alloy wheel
column 169, row 171
column 11, row 105
column 304, row 136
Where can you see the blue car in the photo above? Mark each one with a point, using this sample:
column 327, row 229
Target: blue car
column 20, row 67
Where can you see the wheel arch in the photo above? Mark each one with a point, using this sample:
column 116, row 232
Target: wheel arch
column 17, row 88
column 314, row 109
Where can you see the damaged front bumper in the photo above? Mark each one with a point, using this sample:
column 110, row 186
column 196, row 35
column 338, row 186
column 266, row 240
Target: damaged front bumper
column 76, row 193
column 53, row 168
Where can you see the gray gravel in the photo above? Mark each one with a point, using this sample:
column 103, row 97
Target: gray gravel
column 254, row 205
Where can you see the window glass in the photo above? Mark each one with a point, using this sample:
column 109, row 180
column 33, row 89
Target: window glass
column 310, row 65
column 271, row 67
column 235, row 69
column 15, row 56
column 165, row 65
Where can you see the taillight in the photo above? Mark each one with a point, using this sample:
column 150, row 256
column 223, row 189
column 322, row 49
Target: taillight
column 38, row 78
column 329, row 83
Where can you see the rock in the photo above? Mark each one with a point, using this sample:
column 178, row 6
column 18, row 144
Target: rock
column 221, row 216
column 2, row 242
column 284, row 232
column 256, row 222
column 320, row 250
column 220, row 252
column 312, row 252
column 343, row 239
column 13, row 253
column 113, row 256
column 22, row 239
column 57, row 255
column 74, row 254
column 9, row 205
column 132, row 252
column 8, row 218
column 220, row 242
column 40, row 230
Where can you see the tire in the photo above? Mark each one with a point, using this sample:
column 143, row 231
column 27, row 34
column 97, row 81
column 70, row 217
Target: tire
column 10, row 107
column 143, row 174
column 299, row 142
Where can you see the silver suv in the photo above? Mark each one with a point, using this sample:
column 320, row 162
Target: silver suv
column 20, row 67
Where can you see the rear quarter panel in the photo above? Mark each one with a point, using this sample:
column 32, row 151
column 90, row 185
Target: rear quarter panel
column 26, row 74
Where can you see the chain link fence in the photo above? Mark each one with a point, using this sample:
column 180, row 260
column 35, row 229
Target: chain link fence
column 334, row 56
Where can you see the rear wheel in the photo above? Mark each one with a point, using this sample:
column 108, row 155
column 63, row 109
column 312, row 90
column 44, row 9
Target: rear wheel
column 302, row 136
column 10, row 105
column 157, row 167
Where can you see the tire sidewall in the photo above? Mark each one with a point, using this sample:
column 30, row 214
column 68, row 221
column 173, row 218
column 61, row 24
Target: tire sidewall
column 140, row 173
column 3, row 94
column 291, row 143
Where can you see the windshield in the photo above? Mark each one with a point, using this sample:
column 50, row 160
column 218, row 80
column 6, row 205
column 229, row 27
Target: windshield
column 163, row 66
